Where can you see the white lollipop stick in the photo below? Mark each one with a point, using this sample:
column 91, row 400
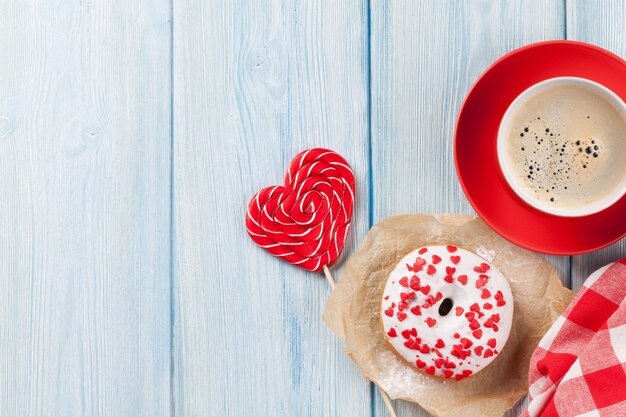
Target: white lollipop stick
column 387, row 401
column 329, row 277
column 383, row 394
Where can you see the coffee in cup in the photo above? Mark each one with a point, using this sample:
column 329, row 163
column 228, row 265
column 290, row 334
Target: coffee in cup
column 562, row 146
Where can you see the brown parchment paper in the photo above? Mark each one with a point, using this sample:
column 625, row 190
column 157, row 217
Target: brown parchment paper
column 353, row 313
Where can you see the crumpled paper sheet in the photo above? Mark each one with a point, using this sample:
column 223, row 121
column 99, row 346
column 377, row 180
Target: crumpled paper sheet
column 353, row 313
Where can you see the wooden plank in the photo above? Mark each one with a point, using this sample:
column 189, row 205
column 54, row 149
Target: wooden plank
column 425, row 57
column 600, row 23
column 255, row 83
column 84, row 213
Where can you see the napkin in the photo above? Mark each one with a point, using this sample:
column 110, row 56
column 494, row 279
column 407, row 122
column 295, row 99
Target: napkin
column 579, row 367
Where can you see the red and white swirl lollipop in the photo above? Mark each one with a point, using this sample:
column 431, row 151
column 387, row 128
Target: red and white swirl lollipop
column 306, row 221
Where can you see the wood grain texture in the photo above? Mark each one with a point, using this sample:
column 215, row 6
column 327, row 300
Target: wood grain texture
column 425, row 56
column 601, row 23
column 84, row 209
column 88, row 261
column 255, row 83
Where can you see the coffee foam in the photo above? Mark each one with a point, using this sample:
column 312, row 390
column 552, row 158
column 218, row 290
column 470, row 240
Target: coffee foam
column 567, row 147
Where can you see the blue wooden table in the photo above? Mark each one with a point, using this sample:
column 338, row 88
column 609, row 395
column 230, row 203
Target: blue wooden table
column 133, row 133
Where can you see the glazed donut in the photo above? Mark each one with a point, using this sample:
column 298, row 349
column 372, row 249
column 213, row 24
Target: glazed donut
column 446, row 311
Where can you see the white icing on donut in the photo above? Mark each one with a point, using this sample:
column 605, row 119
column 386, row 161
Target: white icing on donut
column 467, row 338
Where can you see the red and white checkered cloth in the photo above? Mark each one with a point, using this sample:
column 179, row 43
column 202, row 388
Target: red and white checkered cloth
column 579, row 367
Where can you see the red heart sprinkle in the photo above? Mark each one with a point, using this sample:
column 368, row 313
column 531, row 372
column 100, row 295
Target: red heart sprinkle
column 409, row 267
column 488, row 353
column 386, row 297
column 475, row 307
column 492, row 343
column 416, row 345
column 414, row 332
column 450, row 365
column 431, row 270
column 425, row 348
column 495, row 318
column 470, row 315
column 306, row 221
column 420, row 363
column 500, row 303
column 498, row 295
column 440, row 344
column 478, row 350
column 463, row 375
column 474, row 324
column 477, row 333
column 408, row 343
column 439, row 363
column 425, row 289
column 401, row 315
column 407, row 295
column 459, row 310
column 455, row 259
column 430, row 321
column 466, row 343
column 449, row 279
column 488, row 323
column 451, row 248
column 495, row 327
column 450, row 270
column 462, row 279
column 389, row 312
column 417, row 310
column 392, row 332
column 422, row 251
column 415, row 283
column 485, row 294
column 404, row 281
column 456, row 335
column 430, row 370
column 482, row 280
column 436, row 259
column 406, row 333
column 402, row 305
column 487, row 306
column 420, row 261
column 448, row 373
column 482, row 268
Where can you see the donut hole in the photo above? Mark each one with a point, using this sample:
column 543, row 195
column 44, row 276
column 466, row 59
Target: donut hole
column 446, row 306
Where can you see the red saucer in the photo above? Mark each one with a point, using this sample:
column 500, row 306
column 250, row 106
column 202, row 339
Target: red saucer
column 477, row 161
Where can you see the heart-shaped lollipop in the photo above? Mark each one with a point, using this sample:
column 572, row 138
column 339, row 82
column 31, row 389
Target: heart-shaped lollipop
column 306, row 221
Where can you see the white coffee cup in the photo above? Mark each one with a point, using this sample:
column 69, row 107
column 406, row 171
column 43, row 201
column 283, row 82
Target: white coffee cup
column 503, row 146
